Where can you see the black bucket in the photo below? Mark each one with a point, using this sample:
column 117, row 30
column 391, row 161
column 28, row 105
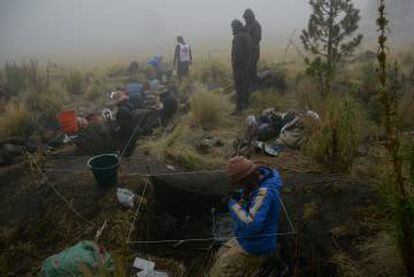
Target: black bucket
column 105, row 169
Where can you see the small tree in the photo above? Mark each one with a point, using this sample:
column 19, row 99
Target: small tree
column 329, row 36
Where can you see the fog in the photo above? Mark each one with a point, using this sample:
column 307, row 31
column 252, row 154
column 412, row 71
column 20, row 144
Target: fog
column 105, row 28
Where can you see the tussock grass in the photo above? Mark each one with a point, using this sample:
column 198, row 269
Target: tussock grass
column 382, row 248
column 270, row 98
column 15, row 121
column 346, row 267
column 173, row 148
column 74, row 81
column 23, row 76
column 306, row 94
column 95, row 91
column 48, row 102
column 336, row 141
column 213, row 72
column 179, row 147
column 209, row 109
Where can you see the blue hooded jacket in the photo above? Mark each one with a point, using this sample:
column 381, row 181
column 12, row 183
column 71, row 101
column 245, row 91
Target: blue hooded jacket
column 256, row 221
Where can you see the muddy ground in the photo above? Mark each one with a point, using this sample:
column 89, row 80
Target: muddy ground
column 331, row 214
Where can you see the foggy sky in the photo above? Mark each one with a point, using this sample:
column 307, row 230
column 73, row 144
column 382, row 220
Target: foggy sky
column 133, row 27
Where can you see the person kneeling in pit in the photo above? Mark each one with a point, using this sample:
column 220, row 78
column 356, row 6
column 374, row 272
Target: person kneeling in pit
column 255, row 210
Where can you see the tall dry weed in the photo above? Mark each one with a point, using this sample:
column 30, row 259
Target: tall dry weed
column 15, row 121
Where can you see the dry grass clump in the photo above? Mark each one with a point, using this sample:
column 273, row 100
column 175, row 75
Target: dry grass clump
column 213, row 72
column 306, row 94
column 179, row 147
column 95, row 91
column 23, row 76
column 15, row 120
column 336, row 141
column 346, row 267
column 209, row 109
column 171, row 148
column 261, row 100
column 382, row 248
column 49, row 102
column 74, row 81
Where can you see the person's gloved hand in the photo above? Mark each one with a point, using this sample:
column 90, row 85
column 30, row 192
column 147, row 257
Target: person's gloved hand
column 235, row 195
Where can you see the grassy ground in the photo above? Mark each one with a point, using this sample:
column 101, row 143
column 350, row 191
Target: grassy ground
column 331, row 181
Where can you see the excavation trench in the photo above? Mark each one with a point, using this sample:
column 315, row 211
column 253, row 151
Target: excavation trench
column 181, row 208
column 330, row 214
column 184, row 210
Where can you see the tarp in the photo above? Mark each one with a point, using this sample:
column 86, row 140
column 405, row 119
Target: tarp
column 83, row 259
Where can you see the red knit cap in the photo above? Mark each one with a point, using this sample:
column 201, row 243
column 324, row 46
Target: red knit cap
column 239, row 168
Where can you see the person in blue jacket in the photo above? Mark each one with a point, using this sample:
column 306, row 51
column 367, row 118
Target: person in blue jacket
column 255, row 211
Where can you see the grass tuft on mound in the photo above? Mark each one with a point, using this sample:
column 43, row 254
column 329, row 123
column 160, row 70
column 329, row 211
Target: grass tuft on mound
column 209, row 109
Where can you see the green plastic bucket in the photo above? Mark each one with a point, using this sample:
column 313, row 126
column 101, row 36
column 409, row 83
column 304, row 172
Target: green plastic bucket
column 105, row 169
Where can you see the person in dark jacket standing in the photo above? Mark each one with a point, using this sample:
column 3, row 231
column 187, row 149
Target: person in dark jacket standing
column 254, row 29
column 183, row 58
column 255, row 210
column 241, row 59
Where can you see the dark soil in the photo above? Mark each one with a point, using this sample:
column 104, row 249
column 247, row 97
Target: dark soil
column 330, row 213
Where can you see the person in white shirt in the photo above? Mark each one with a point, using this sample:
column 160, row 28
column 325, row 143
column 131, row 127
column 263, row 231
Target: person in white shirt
column 182, row 58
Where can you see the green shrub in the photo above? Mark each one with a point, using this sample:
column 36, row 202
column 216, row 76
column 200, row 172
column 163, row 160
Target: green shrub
column 336, row 141
column 209, row 109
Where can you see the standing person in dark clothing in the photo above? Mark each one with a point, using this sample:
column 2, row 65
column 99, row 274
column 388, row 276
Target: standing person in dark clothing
column 240, row 58
column 182, row 58
column 170, row 106
column 254, row 29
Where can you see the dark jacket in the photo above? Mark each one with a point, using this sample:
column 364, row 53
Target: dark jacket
column 253, row 27
column 241, row 51
column 255, row 31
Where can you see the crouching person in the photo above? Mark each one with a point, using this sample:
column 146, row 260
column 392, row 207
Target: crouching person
column 256, row 214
